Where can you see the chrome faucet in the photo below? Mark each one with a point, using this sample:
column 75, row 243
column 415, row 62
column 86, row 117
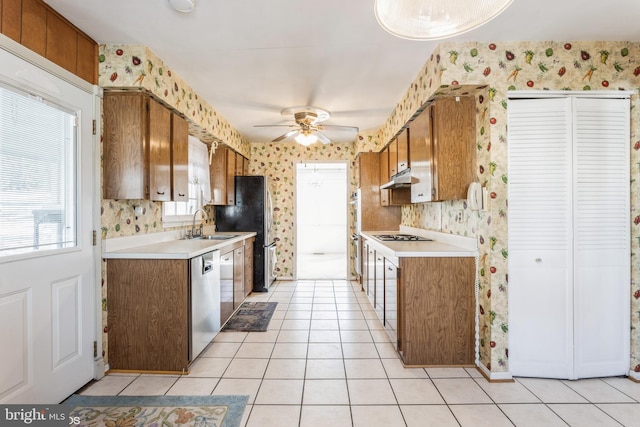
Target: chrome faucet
column 193, row 227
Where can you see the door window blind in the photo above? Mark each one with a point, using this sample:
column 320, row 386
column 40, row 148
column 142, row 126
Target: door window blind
column 37, row 174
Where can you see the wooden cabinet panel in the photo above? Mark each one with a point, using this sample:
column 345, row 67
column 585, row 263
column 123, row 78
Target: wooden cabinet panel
column 179, row 158
column 374, row 216
column 454, row 150
column 230, row 177
column 393, row 157
column 148, row 314
column 87, row 59
column 125, row 151
column 403, row 150
column 62, row 42
column 384, row 176
column 420, row 146
column 239, row 169
column 136, row 147
column 226, row 284
column 34, row 26
column 238, row 277
column 437, row 311
column 12, row 19
column 222, row 174
column 159, row 152
column 248, row 266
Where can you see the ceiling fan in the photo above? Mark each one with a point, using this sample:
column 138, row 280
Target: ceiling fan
column 308, row 128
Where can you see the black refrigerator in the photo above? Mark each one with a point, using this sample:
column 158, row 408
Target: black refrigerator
column 253, row 211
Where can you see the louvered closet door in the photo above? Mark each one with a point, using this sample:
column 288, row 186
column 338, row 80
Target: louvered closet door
column 568, row 228
column 602, row 237
column 539, row 229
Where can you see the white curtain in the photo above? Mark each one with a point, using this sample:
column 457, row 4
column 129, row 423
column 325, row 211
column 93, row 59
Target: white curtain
column 199, row 168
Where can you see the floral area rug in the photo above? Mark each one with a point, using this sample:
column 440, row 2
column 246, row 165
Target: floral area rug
column 157, row 411
column 251, row 317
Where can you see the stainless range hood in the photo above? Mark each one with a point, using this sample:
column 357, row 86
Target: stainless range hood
column 399, row 180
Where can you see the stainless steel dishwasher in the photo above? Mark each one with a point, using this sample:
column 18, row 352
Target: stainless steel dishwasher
column 205, row 301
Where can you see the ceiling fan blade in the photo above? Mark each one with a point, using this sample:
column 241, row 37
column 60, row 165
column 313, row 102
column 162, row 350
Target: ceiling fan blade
column 336, row 127
column 322, row 137
column 285, row 136
column 274, row 126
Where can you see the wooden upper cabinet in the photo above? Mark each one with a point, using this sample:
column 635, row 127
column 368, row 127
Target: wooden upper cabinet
column 87, row 59
column 136, row 147
column 231, row 177
column 239, row 169
column 222, row 173
column 159, row 152
column 34, row 26
column 37, row 26
column 62, row 42
column 384, row 176
column 125, row 151
column 454, row 154
column 374, row 217
column 179, row 158
column 393, row 157
column 403, row 150
column 11, row 19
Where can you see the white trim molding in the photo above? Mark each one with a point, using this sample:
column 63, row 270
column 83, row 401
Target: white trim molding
column 494, row 376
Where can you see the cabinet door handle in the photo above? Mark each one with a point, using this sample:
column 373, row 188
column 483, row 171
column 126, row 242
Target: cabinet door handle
column 181, row 194
column 160, row 193
column 538, row 260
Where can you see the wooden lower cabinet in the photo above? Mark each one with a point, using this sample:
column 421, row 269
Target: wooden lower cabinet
column 426, row 304
column 148, row 314
column 436, row 311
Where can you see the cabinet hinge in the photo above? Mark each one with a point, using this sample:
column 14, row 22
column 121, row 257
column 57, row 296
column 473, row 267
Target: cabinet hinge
column 94, row 237
column 94, row 127
column 95, row 349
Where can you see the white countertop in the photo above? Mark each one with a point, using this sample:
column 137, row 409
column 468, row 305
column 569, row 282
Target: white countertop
column 443, row 245
column 165, row 247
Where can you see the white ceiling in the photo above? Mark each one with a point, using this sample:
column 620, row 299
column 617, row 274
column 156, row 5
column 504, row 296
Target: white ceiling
column 251, row 58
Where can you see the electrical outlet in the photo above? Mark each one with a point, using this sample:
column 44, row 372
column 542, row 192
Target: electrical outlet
column 459, row 217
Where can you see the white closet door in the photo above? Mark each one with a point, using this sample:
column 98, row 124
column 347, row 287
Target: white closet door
column 539, row 230
column 602, row 233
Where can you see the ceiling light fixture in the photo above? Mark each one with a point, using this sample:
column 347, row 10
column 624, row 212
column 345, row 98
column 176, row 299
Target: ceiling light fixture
column 435, row 19
column 306, row 139
column 184, row 6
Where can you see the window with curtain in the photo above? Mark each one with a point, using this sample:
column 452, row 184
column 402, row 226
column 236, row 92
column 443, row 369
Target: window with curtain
column 37, row 174
column 181, row 213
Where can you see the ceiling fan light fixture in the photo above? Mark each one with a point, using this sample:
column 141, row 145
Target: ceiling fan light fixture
column 306, row 139
column 184, row 6
column 435, row 19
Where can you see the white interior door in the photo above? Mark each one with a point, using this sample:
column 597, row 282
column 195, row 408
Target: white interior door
column 47, row 292
column 602, row 233
column 569, row 252
column 540, row 229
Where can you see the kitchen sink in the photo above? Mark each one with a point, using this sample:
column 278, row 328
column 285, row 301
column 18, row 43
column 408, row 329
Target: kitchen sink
column 218, row 236
column 212, row 237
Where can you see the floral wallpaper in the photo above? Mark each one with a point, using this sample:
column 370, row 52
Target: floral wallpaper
column 565, row 65
column 137, row 67
column 278, row 162
column 487, row 71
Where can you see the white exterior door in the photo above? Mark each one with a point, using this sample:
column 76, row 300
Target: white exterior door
column 568, row 237
column 47, row 282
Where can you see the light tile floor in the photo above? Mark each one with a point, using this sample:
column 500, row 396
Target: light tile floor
column 326, row 361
